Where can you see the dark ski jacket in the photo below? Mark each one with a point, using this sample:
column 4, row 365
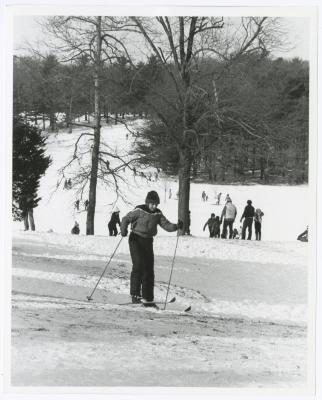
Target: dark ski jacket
column 115, row 219
column 211, row 224
column 144, row 222
column 249, row 212
column 75, row 230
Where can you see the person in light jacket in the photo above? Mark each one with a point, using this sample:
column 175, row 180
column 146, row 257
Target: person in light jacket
column 228, row 215
column 144, row 220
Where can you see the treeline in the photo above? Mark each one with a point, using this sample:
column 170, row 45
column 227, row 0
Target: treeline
column 249, row 119
column 249, row 122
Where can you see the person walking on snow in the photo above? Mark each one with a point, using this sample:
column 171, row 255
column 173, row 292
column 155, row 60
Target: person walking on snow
column 218, row 199
column 228, row 214
column 211, row 224
column 227, row 198
column 144, row 220
column 77, row 205
column 115, row 219
column 258, row 223
column 203, row 195
column 248, row 214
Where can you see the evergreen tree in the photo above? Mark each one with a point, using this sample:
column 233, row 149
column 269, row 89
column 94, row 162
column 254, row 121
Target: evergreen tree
column 29, row 165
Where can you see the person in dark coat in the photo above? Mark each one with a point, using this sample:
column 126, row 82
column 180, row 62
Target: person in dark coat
column 26, row 205
column 75, row 230
column 248, row 216
column 115, row 219
column 86, row 203
column 211, row 225
column 304, row 236
column 258, row 223
column 217, row 227
column 144, row 220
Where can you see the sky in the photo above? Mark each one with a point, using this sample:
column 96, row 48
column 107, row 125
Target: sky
column 26, row 28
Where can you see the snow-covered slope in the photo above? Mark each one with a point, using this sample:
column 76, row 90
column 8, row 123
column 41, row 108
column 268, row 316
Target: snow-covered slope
column 286, row 214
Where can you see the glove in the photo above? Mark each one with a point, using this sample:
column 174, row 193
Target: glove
column 124, row 233
column 179, row 224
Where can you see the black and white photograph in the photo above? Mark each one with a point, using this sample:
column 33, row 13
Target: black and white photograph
column 163, row 209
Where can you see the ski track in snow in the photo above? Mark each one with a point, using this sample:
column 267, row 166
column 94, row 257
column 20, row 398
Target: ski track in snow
column 249, row 309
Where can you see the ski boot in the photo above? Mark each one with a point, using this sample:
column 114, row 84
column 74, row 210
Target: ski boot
column 136, row 299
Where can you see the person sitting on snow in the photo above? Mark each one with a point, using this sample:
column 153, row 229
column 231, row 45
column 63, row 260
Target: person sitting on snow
column 144, row 220
column 75, row 230
column 304, row 236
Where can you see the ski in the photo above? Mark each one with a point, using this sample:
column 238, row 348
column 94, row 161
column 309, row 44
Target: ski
column 147, row 303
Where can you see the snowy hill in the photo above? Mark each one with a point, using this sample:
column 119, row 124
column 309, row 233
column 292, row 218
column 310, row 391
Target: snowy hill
column 285, row 213
column 248, row 298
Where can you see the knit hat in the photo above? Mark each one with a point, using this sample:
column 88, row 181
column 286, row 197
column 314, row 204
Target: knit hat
column 249, row 202
column 152, row 197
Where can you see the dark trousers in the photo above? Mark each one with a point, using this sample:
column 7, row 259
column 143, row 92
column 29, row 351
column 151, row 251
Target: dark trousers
column 228, row 223
column 142, row 275
column 112, row 229
column 29, row 213
column 258, row 230
column 248, row 223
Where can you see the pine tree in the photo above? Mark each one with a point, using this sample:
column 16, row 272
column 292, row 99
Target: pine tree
column 29, row 165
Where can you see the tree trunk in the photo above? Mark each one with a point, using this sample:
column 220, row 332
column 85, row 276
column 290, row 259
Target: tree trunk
column 184, row 189
column 70, row 118
column 116, row 118
column 97, row 134
column 43, row 122
column 52, row 121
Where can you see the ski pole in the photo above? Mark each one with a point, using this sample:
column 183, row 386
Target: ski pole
column 90, row 296
column 174, row 256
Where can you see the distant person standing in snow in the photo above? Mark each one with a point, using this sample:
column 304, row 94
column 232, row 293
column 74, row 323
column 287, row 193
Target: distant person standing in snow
column 258, row 223
column 115, row 219
column 227, row 198
column 218, row 199
column 144, row 220
column 248, row 214
column 77, row 205
column 86, row 203
column 203, row 195
column 187, row 229
column 170, row 193
column 228, row 215
column 75, row 229
column 211, row 225
column 26, row 205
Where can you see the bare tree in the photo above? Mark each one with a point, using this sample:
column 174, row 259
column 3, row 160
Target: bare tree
column 99, row 38
column 179, row 43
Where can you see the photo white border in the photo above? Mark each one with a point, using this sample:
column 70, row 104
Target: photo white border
column 234, row 9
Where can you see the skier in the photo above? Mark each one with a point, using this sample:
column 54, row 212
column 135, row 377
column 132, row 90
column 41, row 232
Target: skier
column 229, row 212
column 248, row 214
column 77, row 205
column 115, row 219
column 26, row 205
column 258, row 223
column 144, row 220
column 86, row 203
column 75, row 229
column 211, row 224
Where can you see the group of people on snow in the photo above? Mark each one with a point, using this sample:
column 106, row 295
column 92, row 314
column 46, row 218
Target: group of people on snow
column 228, row 217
